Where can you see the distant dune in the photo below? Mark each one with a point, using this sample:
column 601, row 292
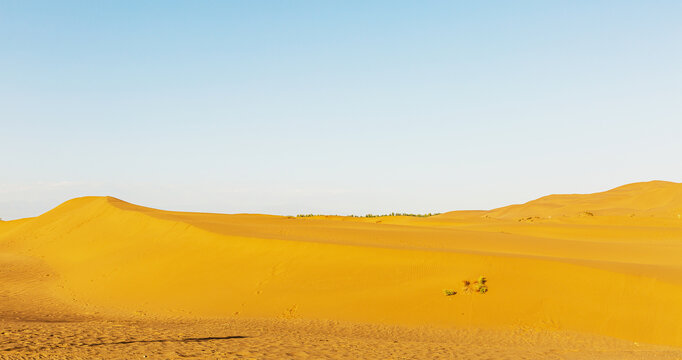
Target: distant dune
column 608, row 263
column 655, row 198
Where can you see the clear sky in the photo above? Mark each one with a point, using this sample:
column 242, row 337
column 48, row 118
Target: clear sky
column 288, row 107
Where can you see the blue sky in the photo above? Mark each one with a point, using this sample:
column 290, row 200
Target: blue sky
column 289, row 107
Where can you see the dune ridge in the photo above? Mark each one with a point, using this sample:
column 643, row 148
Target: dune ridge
column 653, row 198
column 550, row 264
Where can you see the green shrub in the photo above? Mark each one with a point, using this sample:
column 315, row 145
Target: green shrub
column 481, row 286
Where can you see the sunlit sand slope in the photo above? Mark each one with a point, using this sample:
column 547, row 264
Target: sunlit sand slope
column 655, row 198
column 607, row 263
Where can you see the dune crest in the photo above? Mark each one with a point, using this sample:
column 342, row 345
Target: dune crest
column 607, row 273
column 654, row 198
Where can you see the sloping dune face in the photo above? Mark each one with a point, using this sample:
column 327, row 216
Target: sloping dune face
column 606, row 263
column 656, row 198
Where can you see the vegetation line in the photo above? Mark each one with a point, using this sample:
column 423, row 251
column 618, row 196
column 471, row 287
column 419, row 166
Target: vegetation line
column 372, row 215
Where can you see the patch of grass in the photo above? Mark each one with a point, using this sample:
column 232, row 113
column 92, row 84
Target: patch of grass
column 479, row 286
column 400, row 214
column 373, row 215
column 449, row 292
column 466, row 286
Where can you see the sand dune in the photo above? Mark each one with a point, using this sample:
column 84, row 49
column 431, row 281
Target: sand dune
column 655, row 198
column 606, row 264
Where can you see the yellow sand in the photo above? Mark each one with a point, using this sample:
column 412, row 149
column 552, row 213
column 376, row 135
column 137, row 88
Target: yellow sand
column 608, row 263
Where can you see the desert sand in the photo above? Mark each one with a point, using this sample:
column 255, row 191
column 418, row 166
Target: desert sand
column 589, row 276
